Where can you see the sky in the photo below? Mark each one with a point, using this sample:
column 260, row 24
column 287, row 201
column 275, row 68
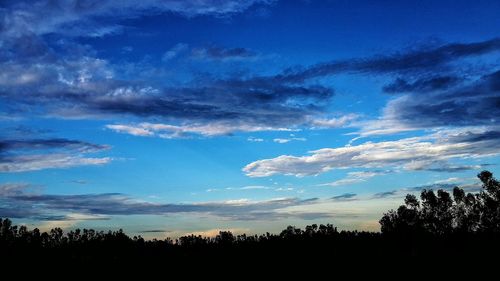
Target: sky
column 167, row 118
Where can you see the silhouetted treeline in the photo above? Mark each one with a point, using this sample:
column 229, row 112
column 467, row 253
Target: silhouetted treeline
column 437, row 226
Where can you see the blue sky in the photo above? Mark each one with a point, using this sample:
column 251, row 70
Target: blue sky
column 174, row 117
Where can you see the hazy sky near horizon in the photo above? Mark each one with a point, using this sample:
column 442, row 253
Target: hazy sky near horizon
column 173, row 117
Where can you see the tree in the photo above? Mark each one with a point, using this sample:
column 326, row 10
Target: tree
column 442, row 214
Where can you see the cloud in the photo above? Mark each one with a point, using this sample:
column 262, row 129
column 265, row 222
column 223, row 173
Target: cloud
column 86, row 87
column 248, row 187
column 60, row 78
column 154, row 231
column 39, row 154
column 283, row 140
column 354, row 177
column 450, row 180
column 99, row 206
column 82, row 182
column 168, row 131
column 99, row 18
column 13, row 189
column 433, row 152
column 469, row 184
column 253, row 139
column 385, row 194
column 131, row 130
column 447, row 101
column 254, row 187
column 342, row 121
column 413, row 61
column 473, row 104
column 422, row 85
column 63, row 79
column 344, row 197
column 54, row 143
column 174, row 52
column 221, row 54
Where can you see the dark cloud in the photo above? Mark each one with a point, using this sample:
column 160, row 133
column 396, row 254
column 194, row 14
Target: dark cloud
column 344, row 197
column 154, row 231
column 418, row 60
column 434, row 186
column 247, row 101
column 468, row 136
column 15, row 213
column 474, row 104
column 422, row 85
column 471, row 187
column 35, row 205
column 451, row 168
column 24, row 132
column 54, row 143
column 385, row 194
column 315, row 215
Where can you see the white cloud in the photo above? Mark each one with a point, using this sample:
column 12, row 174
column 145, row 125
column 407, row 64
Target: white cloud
column 433, row 152
column 253, row 187
column 248, row 187
column 252, row 139
column 168, row 131
column 334, row 122
column 450, row 180
column 282, row 140
column 131, row 130
column 346, row 181
column 284, row 189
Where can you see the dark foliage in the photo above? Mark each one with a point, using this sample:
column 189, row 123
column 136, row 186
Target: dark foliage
column 444, row 214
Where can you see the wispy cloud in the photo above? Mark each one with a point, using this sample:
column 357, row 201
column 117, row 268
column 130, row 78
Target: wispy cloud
column 326, row 123
column 39, row 154
column 175, row 51
column 221, row 54
column 173, row 131
column 354, row 177
column 385, row 194
column 422, row 85
column 254, row 139
column 287, row 140
column 345, row 197
column 416, row 60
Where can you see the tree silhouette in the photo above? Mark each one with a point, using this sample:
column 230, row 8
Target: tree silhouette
column 443, row 214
